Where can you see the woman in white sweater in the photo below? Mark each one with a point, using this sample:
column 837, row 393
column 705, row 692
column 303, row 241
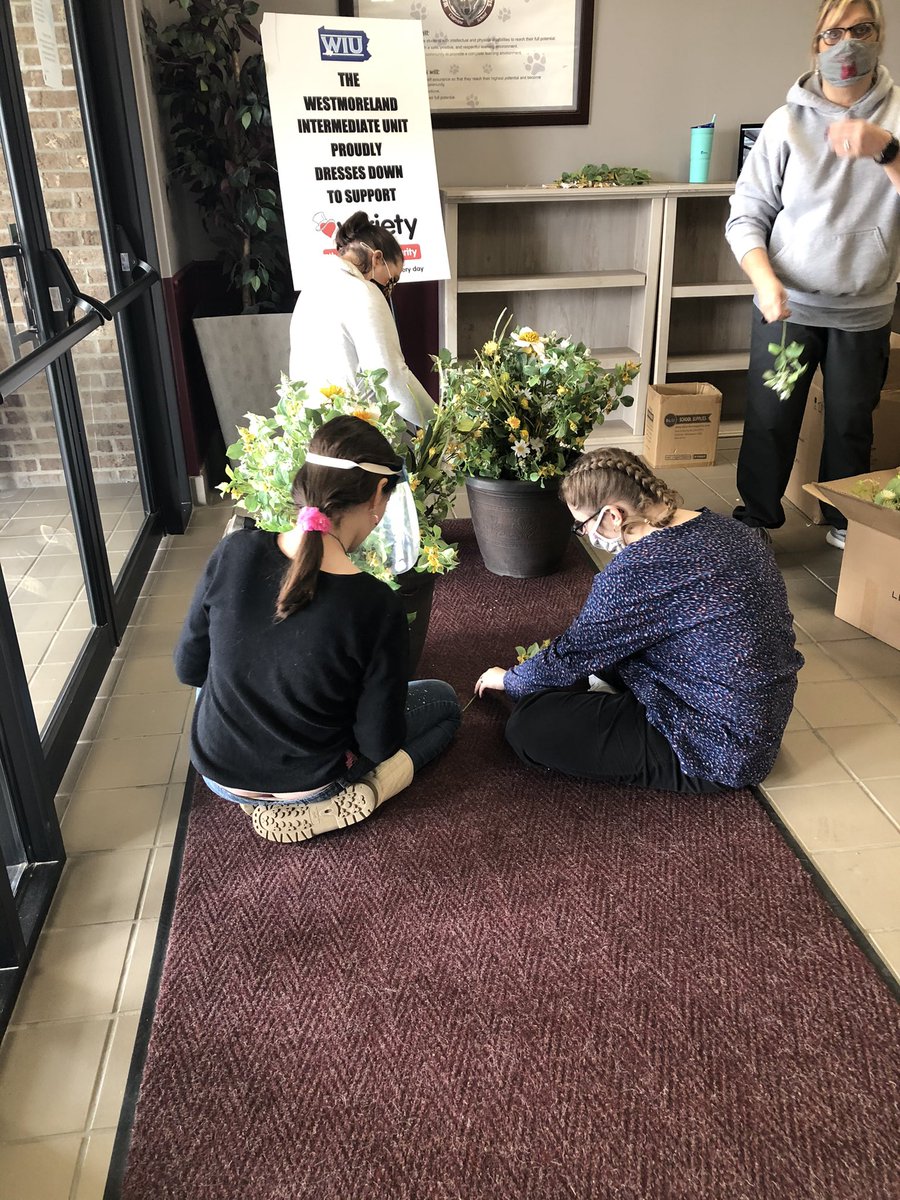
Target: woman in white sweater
column 343, row 323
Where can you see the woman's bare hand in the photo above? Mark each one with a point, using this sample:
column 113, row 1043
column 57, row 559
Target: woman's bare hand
column 490, row 680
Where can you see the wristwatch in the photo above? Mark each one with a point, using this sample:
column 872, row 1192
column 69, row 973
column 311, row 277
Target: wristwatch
column 889, row 153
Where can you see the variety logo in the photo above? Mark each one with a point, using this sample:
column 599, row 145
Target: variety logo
column 343, row 45
column 325, row 225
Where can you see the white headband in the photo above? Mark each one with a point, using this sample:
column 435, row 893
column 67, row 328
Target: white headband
column 344, row 464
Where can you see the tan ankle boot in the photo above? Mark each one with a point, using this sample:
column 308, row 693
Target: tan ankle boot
column 299, row 822
column 390, row 777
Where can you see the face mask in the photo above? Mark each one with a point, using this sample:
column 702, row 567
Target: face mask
column 610, row 545
column 846, row 63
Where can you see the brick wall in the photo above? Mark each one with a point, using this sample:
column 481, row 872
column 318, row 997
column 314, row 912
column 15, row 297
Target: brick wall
column 29, row 452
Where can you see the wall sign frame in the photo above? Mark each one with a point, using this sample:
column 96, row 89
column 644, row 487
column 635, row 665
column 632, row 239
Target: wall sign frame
column 494, row 63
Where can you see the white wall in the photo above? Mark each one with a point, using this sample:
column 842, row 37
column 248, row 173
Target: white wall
column 658, row 68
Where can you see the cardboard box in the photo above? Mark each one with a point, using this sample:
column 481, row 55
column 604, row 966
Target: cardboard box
column 886, row 432
column 809, row 454
column 868, row 595
column 682, row 424
column 893, row 376
column 885, row 441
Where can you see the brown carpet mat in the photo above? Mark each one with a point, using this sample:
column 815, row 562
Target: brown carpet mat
column 508, row 986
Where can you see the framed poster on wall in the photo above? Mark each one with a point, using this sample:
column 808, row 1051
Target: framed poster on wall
column 746, row 142
column 499, row 62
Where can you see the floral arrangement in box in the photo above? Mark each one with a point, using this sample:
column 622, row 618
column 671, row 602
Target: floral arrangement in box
column 887, row 496
column 524, row 407
column 272, row 449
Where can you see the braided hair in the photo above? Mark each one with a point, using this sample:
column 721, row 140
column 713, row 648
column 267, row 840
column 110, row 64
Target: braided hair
column 612, row 475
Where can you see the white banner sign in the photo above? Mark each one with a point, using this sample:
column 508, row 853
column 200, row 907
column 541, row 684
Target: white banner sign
column 352, row 126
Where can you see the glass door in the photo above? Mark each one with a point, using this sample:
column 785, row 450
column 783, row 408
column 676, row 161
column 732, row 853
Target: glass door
column 91, row 468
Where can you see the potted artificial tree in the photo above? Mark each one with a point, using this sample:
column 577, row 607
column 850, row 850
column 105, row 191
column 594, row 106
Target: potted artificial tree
column 210, row 79
column 522, row 411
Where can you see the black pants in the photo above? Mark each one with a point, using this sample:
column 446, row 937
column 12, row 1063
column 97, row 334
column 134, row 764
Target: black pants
column 854, row 368
column 600, row 736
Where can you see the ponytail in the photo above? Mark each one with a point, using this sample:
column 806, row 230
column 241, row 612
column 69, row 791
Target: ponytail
column 299, row 584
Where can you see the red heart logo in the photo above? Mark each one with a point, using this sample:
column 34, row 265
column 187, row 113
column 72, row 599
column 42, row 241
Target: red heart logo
column 328, row 228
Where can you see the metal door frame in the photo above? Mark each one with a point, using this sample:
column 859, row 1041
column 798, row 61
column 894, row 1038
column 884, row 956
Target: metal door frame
column 34, row 762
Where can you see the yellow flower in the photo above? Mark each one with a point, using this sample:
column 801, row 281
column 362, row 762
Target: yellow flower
column 364, row 415
column 513, row 422
column 433, row 556
column 523, row 403
column 562, row 390
column 413, row 482
column 524, row 435
column 331, row 391
column 490, row 349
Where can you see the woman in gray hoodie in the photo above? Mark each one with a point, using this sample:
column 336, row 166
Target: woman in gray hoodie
column 815, row 224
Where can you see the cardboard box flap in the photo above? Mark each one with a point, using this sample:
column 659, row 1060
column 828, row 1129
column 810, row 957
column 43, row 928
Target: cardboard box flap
column 893, row 373
column 839, row 494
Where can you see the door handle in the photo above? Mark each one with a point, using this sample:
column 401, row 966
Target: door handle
column 65, row 295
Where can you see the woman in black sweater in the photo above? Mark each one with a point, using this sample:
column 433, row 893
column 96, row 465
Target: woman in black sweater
column 305, row 717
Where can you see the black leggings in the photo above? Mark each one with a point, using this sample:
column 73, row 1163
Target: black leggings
column 601, row 736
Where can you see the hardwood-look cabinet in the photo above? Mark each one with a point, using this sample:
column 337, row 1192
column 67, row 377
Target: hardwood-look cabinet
column 705, row 300
column 584, row 263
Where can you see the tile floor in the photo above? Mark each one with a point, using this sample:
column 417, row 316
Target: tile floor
column 45, row 579
column 64, row 1059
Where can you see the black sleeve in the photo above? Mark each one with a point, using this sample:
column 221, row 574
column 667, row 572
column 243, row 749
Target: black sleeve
column 192, row 651
column 380, row 725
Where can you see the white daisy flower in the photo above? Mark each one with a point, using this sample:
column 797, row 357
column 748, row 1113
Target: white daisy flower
column 528, row 340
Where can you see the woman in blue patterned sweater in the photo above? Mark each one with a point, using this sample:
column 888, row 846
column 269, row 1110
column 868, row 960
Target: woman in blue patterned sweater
column 689, row 623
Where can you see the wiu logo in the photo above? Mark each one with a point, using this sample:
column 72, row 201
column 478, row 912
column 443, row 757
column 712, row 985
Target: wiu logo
column 343, row 45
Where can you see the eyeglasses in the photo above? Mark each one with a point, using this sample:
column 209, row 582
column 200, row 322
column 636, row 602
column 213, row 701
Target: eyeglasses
column 862, row 32
column 580, row 527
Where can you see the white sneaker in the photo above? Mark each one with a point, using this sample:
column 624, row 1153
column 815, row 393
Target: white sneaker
column 836, row 537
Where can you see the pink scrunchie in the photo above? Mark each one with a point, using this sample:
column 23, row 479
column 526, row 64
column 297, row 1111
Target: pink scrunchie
column 313, row 519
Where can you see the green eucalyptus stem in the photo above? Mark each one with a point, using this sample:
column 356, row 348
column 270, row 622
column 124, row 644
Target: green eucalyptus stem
column 787, row 367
